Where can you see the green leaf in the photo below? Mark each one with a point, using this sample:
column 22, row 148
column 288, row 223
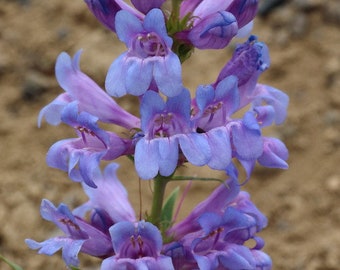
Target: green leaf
column 11, row 264
column 74, row 268
column 168, row 209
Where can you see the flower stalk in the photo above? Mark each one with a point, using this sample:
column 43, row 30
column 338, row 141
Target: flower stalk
column 160, row 183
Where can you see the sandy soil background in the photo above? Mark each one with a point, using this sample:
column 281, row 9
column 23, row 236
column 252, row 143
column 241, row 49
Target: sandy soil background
column 302, row 203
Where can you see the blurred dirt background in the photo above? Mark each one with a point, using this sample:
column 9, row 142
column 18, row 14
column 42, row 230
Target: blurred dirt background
column 302, row 203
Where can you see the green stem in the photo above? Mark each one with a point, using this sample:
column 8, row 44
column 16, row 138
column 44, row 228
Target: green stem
column 157, row 200
column 11, row 264
column 175, row 7
column 181, row 178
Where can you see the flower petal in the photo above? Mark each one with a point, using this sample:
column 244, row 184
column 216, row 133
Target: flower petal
column 146, row 158
column 167, row 73
column 195, row 148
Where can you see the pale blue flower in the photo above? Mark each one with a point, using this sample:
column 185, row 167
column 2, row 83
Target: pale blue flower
column 167, row 131
column 215, row 22
column 80, row 236
column 88, row 95
column 149, row 61
column 214, row 234
column 136, row 246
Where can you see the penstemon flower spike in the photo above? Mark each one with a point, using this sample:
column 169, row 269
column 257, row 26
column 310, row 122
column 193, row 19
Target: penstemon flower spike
column 173, row 128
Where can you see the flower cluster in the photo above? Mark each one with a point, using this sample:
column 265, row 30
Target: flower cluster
column 174, row 128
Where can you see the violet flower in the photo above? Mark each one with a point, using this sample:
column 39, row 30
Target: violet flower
column 82, row 105
column 106, row 11
column 108, row 204
column 238, row 138
column 80, row 157
column 88, row 95
column 149, row 61
column 213, row 31
column 145, row 6
column 136, row 246
column 214, row 233
column 236, row 87
column 166, row 128
column 248, row 62
column 80, row 236
column 274, row 155
column 216, row 22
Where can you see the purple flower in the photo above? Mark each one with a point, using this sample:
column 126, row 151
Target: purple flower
column 106, row 10
column 145, row 6
column 243, row 10
column 215, row 23
column 274, row 98
column 227, row 138
column 236, row 87
column 136, row 246
column 80, row 157
column 149, row 61
column 213, row 236
column 249, row 61
column 80, row 236
column 214, row 106
column 166, row 128
column 88, row 95
column 82, row 106
column 213, row 31
column 275, row 154
column 217, row 201
column 108, row 202
column 212, row 110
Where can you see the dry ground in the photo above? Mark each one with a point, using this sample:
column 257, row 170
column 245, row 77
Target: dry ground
column 302, row 203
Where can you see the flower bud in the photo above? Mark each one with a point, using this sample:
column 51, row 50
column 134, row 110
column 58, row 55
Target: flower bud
column 214, row 31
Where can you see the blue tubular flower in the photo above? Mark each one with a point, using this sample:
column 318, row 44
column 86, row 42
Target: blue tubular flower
column 236, row 87
column 216, row 22
column 249, row 60
column 149, row 59
column 214, row 106
column 246, row 138
column 80, row 236
column 275, row 154
column 237, row 138
column 109, row 199
column 244, row 11
column 276, row 99
column 106, row 10
column 166, row 127
column 216, row 202
column 93, row 145
column 214, row 31
column 213, row 236
column 212, row 111
column 145, row 6
column 89, row 96
column 136, row 246
column 221, row 244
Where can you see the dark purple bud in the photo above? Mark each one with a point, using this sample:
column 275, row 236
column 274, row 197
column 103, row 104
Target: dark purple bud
column 214, row 31
column 106, row 10
column 145, row 6
column 243, row 10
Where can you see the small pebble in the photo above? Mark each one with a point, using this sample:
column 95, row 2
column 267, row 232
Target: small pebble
column 333, row 183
